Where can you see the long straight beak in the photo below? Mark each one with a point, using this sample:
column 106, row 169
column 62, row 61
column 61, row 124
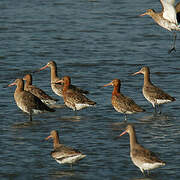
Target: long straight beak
column 46, row 66
column 109, row 84
column 48, row 137
column 139, row 72
column 59, row 81
column 123, row 133
column 12, row 84
column 143, row 14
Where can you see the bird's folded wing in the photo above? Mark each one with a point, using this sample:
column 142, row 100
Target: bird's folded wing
column 145, row 155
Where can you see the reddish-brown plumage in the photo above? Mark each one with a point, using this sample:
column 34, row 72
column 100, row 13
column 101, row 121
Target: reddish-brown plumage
column 72, row 98
column 121, row 103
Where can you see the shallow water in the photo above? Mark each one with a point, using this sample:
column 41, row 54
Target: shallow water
column 93, row 42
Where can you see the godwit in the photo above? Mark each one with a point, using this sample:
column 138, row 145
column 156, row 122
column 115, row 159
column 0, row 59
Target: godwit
column 72, row 98
column 26, row 101
column 141, row 157
column 57, row 87
column 45, row 98
column 167, row 18
column 153, row 94
column 121, row 103
column 63, row 154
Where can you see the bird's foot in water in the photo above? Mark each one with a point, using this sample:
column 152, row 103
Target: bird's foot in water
column 172, row 49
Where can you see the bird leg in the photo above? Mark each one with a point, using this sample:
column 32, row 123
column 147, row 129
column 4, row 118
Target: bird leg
column 155, row 109
column 30, row 116
column 75, row 112
column 148, row 172
column 142, row 170
column 125, row 117
column 159, row 109
column 173, row 48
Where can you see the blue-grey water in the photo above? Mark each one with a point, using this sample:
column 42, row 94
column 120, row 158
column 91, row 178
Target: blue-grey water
column 93, row 41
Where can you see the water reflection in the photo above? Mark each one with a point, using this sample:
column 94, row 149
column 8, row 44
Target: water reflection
column 155, row 117
column 26, row 124
column 63, row 173
column 145, row 178
column 71, row 118
column 92, row 42
column 117, row 126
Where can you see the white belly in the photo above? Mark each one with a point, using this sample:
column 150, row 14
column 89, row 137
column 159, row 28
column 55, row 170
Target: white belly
column 48, row 102
column 162, row 101
column 149, row 166
column 81, row 106
column 71, row 159
column 145, row 165
column 123, row 111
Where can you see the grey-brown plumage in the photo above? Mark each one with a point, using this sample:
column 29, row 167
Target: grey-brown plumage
column 58, row 87
column 64, row 154
column 168, row 18
column 152, row 93
column 26, row 101
column 45, row 98
column 72, row 98
column 121, row 103
column 143, row 158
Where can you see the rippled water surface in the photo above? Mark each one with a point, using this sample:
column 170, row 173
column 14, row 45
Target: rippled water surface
column 93, row 41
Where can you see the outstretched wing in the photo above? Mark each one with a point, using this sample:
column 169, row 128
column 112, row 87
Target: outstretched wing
column 169, row 11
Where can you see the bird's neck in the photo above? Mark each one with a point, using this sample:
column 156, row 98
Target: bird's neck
column 158, row 17
column 56, row 142
column 66, row 87
column 133, row 139
column 20, row 86
column 19, row 89
column 53, row 73
column 147, row 78
column 116, row 90
column 28, row 83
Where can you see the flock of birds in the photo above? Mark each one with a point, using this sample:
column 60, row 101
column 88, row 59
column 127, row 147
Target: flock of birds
column 33, row 100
